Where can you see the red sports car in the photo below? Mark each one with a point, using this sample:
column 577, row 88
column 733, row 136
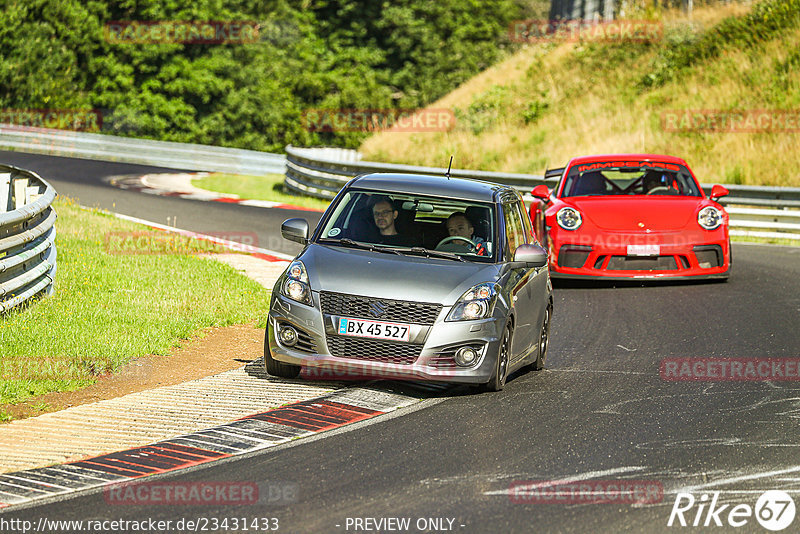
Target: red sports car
column 628, row 216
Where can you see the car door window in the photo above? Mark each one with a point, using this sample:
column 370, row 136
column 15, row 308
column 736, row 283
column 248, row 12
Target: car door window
column 526, row 231
column 514, row 233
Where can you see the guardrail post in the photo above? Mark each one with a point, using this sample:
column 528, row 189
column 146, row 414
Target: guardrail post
column 20, row 192
column 5, row 192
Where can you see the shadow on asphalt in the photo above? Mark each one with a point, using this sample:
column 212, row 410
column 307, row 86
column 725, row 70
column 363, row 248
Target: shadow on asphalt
column 565, row 283
column 255, row 368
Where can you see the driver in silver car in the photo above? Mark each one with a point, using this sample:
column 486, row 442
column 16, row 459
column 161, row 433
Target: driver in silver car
column 459, row 225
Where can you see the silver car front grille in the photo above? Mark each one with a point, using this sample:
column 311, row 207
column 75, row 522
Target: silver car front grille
column 398, row 311
column 373, row 350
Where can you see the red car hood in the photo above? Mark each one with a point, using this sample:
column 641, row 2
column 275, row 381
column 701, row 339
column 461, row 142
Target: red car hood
column 638, row 213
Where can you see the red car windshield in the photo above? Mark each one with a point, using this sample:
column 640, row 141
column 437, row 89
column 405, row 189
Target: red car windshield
column 629, row 178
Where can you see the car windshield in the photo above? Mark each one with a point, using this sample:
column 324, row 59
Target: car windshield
column 629, row 178
column 411, row 224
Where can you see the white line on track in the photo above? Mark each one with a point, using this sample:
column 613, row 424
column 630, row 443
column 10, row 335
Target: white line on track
column 743, row 478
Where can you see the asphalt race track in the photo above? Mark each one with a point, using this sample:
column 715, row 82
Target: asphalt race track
column 599, row 414
column 83, row 179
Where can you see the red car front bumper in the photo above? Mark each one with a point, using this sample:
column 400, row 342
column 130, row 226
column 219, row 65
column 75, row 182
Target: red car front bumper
column 637, row 256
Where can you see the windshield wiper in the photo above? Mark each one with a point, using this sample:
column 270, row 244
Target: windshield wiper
column 432, row 253
column 358, row 244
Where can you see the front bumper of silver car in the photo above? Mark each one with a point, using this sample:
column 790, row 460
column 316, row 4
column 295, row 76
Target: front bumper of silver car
column 429, row 354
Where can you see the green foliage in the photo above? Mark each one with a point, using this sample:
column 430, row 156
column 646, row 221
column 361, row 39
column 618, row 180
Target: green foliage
column 535, row 109
column 330, row 54
column 734, row 175
column 484, row 111
column 686, row 48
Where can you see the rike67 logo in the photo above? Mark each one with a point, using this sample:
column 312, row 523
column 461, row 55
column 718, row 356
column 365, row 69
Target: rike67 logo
column 774, row 510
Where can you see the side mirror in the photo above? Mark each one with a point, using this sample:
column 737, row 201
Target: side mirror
column 295, row 230
column 529, row 255
column 541, row 192
column 718, row 192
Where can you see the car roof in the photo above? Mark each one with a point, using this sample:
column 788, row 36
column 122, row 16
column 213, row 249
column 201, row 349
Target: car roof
column 430, row 185
column 641, row 157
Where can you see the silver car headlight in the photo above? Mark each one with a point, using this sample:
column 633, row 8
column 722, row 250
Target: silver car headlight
column 296, row 286
column 709, row 218
column 477, row 303
column 569, row 218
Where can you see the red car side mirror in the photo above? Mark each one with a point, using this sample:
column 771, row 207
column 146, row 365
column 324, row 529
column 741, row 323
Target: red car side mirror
column 718, row 192
column 541, row 192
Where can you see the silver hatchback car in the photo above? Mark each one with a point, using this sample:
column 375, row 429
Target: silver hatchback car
column 416, row 278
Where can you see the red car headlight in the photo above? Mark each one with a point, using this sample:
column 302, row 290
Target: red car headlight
column 569, row 218
column 709, row 218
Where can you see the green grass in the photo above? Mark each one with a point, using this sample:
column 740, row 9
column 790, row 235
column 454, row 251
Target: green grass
column 110, row 308
column 269, row 187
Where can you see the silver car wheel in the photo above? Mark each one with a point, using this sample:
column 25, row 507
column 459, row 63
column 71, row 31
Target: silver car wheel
column 544, row 339
column 498, row 381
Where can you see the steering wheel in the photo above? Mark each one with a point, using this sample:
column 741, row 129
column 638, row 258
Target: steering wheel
column 659, row 189
column 472, row 246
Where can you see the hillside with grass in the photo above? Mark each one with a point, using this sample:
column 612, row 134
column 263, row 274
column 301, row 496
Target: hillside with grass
column 554, row 100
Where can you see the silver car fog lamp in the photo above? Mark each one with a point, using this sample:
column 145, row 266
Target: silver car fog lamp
column 287, row 335
column 466, row 356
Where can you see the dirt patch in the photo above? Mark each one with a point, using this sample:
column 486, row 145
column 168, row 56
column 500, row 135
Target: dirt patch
column 219, row 350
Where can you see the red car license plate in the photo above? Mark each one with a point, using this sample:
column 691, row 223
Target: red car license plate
column 644, row 250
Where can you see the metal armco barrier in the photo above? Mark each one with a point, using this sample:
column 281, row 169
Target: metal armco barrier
column 183, row 156
column 320, row 173
column 27, row 236
column 313, row 172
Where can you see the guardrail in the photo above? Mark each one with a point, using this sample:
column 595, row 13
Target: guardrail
column 183, row 156
column 312, row 172
column 27, row 236
column 320, row 173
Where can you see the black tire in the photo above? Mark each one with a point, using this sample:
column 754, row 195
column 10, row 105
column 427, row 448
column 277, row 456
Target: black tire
column 498, row 381
column 544, row 340
column 276, row 368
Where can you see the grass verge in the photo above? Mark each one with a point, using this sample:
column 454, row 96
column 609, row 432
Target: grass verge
column 269, row 187
column 111, row 308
